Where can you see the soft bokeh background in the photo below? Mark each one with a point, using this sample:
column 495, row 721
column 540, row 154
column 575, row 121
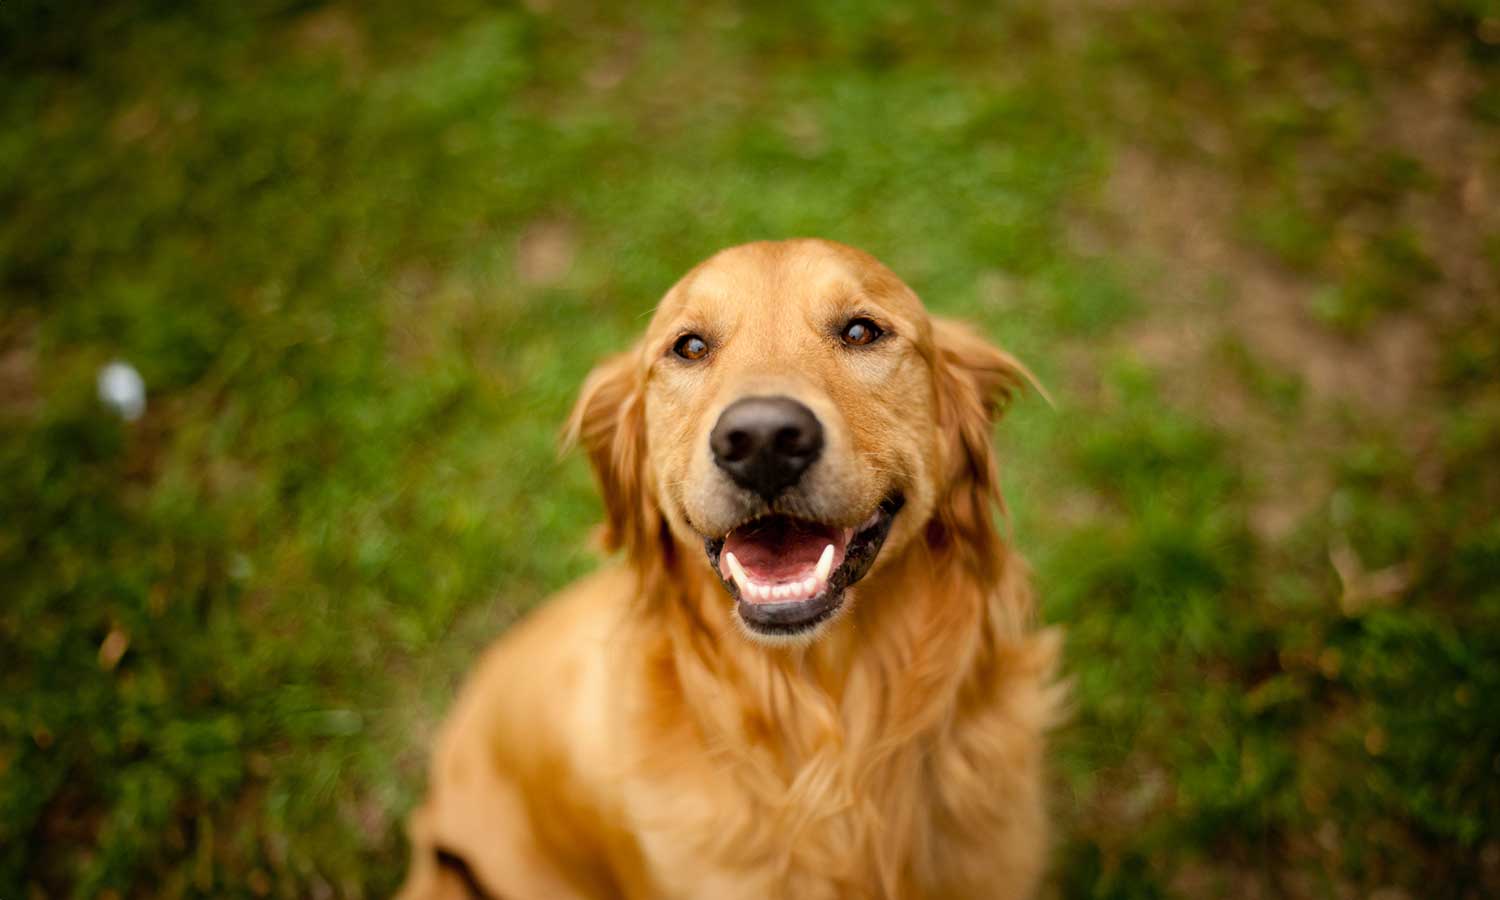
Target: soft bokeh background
column 363, row 254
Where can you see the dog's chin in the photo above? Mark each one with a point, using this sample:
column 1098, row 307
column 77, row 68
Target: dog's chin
column 788, row 577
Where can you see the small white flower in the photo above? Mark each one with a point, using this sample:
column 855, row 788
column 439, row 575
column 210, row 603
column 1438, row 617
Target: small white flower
column 122, row 390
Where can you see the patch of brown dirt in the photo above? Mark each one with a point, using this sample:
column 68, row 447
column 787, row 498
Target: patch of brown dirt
column 1174, row 221
column 1180, row 216
column 1429, row 120
column 19, row 395
column 333, row 31
column 544, row 253
column 1211, row 292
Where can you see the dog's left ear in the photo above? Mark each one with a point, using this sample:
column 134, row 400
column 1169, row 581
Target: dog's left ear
column 976, row 382
column 609, row 422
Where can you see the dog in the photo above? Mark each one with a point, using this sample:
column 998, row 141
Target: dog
column 813, row 671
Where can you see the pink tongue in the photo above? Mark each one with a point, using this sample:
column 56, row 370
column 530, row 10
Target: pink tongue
column 780, row 548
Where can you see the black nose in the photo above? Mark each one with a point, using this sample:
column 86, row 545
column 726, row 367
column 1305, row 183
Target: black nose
column 765, row 443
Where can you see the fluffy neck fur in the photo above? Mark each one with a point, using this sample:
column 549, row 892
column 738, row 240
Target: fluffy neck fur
column 833, row 743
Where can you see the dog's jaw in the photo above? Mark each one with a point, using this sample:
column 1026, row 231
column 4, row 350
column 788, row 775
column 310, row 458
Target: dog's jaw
column 781, row 603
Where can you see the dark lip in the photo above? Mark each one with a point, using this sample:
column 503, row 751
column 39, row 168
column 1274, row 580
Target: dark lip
column 800, row 616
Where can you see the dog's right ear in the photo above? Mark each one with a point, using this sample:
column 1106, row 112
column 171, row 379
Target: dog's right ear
column 975, row 383
column 609, row 422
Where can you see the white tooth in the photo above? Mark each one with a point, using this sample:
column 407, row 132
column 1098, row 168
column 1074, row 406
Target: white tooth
column 737, row 572
column 810, row 587
column 775, row 592
column 825, row 564
column 765, row 592
column 870, row 522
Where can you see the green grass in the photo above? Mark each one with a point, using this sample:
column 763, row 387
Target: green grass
column 323, row 235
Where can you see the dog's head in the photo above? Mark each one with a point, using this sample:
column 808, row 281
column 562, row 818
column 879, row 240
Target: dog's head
column 795, row 414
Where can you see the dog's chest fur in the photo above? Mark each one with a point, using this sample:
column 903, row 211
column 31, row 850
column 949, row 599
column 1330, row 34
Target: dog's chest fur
column 774, row 794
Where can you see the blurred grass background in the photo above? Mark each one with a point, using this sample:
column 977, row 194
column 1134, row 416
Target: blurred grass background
column 363, row 254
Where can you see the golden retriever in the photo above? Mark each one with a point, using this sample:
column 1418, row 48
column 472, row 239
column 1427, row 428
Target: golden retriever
column 813, row 673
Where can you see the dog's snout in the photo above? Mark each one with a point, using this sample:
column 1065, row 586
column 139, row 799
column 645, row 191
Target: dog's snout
column 766, row 443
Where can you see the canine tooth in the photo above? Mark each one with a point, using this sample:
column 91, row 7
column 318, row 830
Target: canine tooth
column 825, row 564
column 736, row 571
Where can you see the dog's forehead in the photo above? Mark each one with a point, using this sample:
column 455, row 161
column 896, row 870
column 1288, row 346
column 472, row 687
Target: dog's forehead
column 785, row 276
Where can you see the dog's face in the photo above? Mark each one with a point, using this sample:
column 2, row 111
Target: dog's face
column 789, row 416
column 795, row 415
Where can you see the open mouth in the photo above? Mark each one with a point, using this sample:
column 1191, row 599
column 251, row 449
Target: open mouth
column 788, row 575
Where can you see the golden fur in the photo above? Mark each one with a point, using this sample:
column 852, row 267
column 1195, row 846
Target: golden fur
column 629, row 740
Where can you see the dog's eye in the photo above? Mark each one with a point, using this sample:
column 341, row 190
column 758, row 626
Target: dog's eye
column 690, row 347
column 860, row 332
